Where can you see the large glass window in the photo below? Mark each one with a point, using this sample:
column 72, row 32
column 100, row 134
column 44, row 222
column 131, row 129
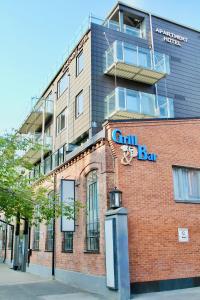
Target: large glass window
column 67, row 244
column 92, row 219
column 36, row 236
column 49, row 237
column 79, row 104
column 63, row 84
column 79, row 63
column 186, row 184
column 61, row 121
column 10, row 237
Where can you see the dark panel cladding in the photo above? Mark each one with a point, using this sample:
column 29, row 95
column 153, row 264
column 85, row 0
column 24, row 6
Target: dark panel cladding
column 182, row 84
column 164, row 285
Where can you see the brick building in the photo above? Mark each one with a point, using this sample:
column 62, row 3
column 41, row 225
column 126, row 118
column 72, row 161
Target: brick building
column 122, row 112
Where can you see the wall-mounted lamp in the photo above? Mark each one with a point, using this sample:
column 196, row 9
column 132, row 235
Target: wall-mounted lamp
column 115, row 198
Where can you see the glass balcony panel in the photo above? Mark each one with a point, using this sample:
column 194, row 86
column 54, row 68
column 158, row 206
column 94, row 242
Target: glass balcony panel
column 49, row 106
column 130, row 55
column 125, row 103
column 121, row 99
column 171, row 107
column 119, row 50
column 109, row 57
column 113, row 25
column 47, row 165
column 144, row 58
column 132, row 101
column 132, row 30
column 161, row 62
column 136, row 63
column 111, row 103
column 148, row 104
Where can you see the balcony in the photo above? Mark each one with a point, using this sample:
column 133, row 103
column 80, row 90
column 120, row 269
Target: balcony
column 38, row 147
column 134, row 31
column 40, row 113
column 124, row 104
column 136, row 63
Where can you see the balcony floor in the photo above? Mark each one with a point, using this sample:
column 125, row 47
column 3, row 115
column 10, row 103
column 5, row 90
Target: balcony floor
column 33, row 122
column 123, row 115
column 135, row 73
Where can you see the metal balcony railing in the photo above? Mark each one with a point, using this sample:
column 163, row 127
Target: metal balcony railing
column 125, row 103
column 38, row 144
column 39, row 114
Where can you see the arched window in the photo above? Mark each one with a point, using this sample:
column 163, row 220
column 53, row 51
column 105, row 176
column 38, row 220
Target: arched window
column 92, row 217
column 50, row 227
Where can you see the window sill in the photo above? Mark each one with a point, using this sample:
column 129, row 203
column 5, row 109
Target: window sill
column 58, row 96
column 77, row 74
column 91, row 252
column 188, row 201
column 67, row 251
column 79, row 115
column 48, row 250
column 36, row 250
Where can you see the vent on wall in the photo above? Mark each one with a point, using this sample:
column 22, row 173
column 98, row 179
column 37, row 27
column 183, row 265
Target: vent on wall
column 176, row 59
column 179, row 97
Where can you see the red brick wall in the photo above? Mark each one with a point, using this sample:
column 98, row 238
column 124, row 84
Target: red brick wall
column 153, row 215
column 79, row 260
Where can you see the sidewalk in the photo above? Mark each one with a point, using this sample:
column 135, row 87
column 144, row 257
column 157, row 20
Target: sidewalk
column 16, row 285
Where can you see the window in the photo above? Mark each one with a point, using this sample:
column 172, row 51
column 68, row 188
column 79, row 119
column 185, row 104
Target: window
column 79, row 104
column 92, row 219
column 49, row 237
column 79, row 63
column 10, row 237
column 67, row 244
column 186, row 184
column 61, row 121
column 62, row 84
column 47, row 164
column 36, row 236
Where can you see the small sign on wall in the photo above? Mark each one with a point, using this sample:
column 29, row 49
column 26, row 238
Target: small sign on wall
column 183, row 235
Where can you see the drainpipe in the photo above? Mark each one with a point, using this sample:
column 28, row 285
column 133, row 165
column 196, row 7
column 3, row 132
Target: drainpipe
column 54, row 228
column 152, row 53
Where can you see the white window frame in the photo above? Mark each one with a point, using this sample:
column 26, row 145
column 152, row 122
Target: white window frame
column 59, row 93
column 58, row 122
column 78, row 70
column 78, row 112
column 181, row 181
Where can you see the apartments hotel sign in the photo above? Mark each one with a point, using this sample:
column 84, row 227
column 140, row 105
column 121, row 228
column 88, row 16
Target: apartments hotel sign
column 172, row 38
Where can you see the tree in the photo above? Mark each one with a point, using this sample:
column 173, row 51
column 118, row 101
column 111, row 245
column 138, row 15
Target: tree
column 19, row 196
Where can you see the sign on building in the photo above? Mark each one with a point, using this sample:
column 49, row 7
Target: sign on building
column 183, row 235
column 67, row 198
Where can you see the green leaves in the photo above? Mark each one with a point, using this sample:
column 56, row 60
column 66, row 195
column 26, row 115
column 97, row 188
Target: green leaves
column 35, row 203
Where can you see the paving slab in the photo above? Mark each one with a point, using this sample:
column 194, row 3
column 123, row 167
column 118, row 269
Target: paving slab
column 16, row 285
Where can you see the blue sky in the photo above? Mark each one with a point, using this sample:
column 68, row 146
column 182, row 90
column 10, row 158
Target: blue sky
column 34, row 36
